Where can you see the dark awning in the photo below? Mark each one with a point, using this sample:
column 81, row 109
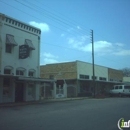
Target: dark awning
column 30, row 44
column 36, row 79
column 10, row 40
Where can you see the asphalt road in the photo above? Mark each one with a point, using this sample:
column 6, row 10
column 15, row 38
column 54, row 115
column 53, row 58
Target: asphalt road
column 88, row 114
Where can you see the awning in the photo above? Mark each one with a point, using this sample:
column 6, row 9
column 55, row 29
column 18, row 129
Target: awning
column 10, row 40
column 36, row 79
column 100, row 81
column 30, row 44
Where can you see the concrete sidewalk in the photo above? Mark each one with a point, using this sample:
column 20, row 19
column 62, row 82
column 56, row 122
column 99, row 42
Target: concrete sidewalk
column 41, row 101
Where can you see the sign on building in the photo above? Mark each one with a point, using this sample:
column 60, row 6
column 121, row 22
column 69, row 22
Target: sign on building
column 23, row 51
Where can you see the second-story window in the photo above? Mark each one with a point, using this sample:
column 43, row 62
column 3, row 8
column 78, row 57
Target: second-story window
column 8, row 48
column 10, row 43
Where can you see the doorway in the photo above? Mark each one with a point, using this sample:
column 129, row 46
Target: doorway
column 19, row 91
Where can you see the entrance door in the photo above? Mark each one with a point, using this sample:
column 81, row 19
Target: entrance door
column 19, row 92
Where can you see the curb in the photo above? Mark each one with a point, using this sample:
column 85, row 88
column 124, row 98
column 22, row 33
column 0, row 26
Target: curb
column 40, row 102
column 45, row 101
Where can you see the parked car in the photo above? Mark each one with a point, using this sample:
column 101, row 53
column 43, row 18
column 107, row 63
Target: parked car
column 120, row 90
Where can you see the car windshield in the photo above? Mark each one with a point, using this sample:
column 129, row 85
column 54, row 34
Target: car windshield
column 127, row 87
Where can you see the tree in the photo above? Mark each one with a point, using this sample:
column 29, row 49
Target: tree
column 126, row 72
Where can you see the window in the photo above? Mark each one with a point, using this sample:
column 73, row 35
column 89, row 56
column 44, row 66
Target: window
column 127, row 87
column 120, row 87
column 29, row 28
column 30, row 73
column 84, row 76
column 81, row 76
column 31, row 90
column 111, row 79
column 8, row 48
column 6, row 19
column 7, row 71
column 102, row 78
column 6, row 86
column 10, row 20
column 95, row 77
column 10, row 43
column 19, row 72
column 15, row 23
column 116, row 87
column 19, row 24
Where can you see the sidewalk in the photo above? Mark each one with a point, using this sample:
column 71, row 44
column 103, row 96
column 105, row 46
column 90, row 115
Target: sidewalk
column 41, row 101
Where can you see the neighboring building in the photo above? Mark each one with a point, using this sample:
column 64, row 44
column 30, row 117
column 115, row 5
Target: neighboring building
column 78, row 76
column 126, row 80
column 19, row 61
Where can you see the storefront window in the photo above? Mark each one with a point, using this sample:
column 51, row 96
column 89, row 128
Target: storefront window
column 6, row 87
column 31, row 90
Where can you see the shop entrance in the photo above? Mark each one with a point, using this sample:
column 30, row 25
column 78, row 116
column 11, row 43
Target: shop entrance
column 19, row 92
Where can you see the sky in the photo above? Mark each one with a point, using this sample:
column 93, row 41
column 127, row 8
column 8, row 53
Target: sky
column 66, row 29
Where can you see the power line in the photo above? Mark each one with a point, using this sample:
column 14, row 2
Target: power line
column 49, row 15
column 36, row 17
column 49, row 43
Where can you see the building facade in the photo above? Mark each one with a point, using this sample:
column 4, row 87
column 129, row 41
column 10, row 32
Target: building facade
column 19, row 61
column 78, row 77
column 126, row 80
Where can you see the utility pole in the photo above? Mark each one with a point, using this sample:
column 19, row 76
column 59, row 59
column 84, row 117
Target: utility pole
column 93, row 62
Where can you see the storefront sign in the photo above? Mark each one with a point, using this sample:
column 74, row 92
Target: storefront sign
column 23, row 51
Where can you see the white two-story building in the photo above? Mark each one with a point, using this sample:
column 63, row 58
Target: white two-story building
column 19, row 61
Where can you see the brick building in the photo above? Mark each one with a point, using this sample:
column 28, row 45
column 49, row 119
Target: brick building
column 78, row 77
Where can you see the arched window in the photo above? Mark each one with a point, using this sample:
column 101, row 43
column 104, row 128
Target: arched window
column 20, row 71
column 8, row 70
column 31, row 73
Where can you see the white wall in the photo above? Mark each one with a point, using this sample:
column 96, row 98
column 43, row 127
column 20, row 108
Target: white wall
column 86, row 69
column 12, row 59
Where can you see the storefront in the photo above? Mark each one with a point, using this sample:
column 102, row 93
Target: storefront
column 20, row 89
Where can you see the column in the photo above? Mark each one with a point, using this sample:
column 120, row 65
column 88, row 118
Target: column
column 65, row 90
column 1, row 90
column 37, row 96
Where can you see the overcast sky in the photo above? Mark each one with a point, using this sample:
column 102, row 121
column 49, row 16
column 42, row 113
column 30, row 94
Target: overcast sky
column 66, row 26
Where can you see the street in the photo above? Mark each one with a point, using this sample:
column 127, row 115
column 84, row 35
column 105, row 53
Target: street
column 87, row 114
